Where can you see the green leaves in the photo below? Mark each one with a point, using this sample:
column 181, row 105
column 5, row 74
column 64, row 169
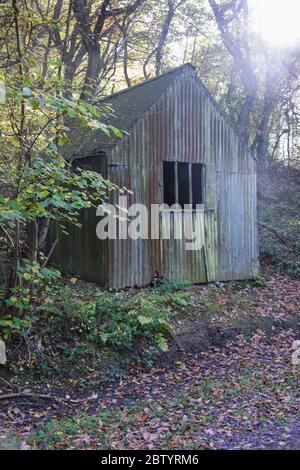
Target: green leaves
column 144, row 320
column 162, row 343
column 52, row 189
column 33, row 291
column 114, row 321
column 10, row 325
column 116, row 131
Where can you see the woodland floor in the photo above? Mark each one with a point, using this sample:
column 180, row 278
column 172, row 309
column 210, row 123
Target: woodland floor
column 244, row 395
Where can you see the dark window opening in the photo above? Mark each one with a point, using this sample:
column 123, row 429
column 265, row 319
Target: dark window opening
column 183, row 183
column 169, row 183
column 197, row 176
column 97, row 161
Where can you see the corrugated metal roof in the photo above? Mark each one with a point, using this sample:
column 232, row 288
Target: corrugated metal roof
column 132, row 103
column 128, row 106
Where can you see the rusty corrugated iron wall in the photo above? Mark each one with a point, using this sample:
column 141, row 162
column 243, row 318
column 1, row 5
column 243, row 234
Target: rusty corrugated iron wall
column 81, row 252
column 186, row 126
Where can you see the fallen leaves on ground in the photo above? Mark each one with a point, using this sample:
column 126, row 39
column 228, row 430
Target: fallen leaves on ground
column 244, row 396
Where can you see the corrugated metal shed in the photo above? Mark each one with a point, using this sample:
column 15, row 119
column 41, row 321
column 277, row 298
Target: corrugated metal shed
column 172, row 118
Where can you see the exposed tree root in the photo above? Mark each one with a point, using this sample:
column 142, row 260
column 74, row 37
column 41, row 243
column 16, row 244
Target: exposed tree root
column 10, row 396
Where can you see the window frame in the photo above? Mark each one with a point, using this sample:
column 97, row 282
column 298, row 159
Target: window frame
column 190, row 184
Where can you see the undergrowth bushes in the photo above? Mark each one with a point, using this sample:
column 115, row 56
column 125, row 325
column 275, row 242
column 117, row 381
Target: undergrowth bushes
column 77, row 325
column 279, row 217
column 116, row 320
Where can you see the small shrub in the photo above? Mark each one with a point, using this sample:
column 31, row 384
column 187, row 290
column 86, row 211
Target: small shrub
column 9, row 325
column 176, row 300
column 260, row 280
column 126, row 320
column 173, row 286
column 35, row 289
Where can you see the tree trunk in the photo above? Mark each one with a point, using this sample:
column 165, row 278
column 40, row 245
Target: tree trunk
column 163, row 37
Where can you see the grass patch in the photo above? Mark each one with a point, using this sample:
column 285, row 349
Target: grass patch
column 237, row 302
column 209, row 306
